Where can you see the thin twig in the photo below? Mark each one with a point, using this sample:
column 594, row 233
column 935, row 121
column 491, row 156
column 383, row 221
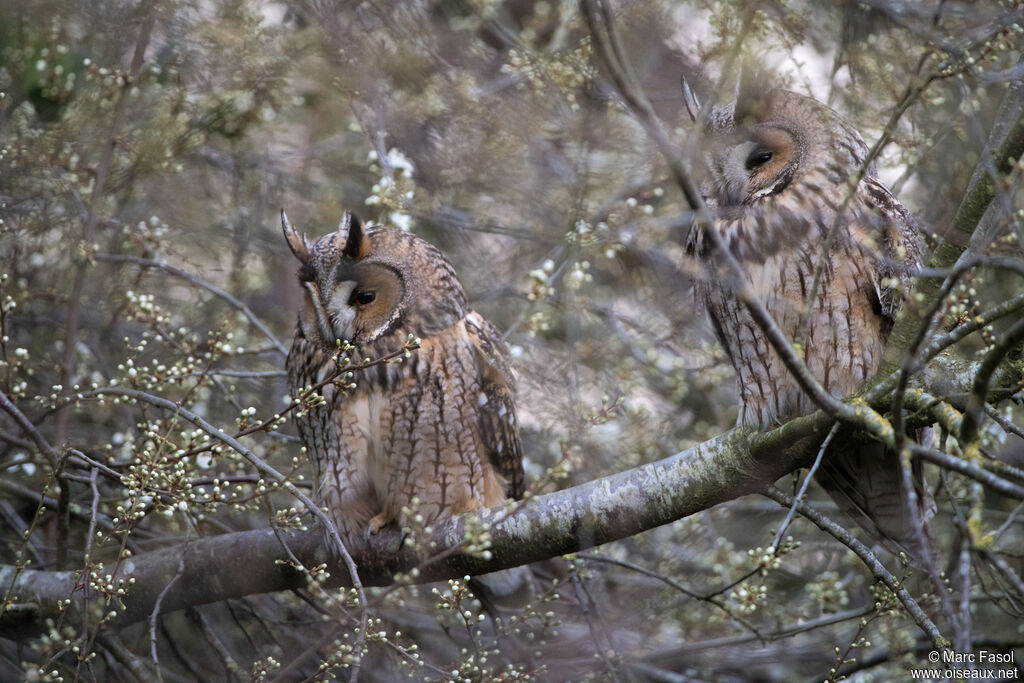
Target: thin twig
column 780, row 633
column 230, row 666
column 263, row 467
column 156, row 615
column 969, row 469
column 803, row 487
column 878, row 570
column 972, row 414
column 586, row 604
column 26, row 425
column 136, row 667
column 672, row 583
column 199, row 282
column 94, row 517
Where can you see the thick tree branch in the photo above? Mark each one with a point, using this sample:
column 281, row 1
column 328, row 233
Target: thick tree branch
column 618, row 506
column 232, row 565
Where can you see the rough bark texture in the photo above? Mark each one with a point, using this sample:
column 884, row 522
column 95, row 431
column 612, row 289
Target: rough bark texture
column 232, row 565
column 603, row 510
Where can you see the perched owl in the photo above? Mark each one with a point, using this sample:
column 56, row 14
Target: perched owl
column 780, row 167
column 440, row 425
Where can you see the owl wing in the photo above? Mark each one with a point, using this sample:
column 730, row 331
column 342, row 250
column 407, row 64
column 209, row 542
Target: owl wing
column 865, row 480
column 897, row 251
column 496, row 410
column 302, row 365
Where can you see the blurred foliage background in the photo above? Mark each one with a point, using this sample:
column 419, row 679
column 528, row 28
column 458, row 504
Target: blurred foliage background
column 145, row 151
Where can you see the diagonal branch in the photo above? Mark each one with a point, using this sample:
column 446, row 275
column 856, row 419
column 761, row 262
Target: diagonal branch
column 199, row 282
column 866, row 556
column 1007, row 147
column 566, row 521
column 618, row 506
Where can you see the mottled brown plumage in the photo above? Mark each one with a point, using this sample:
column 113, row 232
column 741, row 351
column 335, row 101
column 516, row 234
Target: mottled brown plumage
column 781, row 167
column 440, row 426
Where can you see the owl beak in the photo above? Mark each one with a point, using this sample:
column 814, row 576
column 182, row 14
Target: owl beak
column 322, row 320
column 340, row 315
column 297, row 241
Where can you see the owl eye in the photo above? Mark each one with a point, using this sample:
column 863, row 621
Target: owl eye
column 361, row 297
column 758, row 157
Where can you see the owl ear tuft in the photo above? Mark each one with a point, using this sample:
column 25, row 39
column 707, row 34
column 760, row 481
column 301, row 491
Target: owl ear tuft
column 297, row 241
column 753, row 96
column 357, row 242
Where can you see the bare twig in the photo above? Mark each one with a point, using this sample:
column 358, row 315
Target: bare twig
column 869, row 559
column 26, row 425
column 595, row 624
column 1003, row 423
column 230, row 665
column 138, row 668
column 156, row 615
column 266, row 469
column 979, row 392
column 672, row 583
column 969, row 469
column 199, row 282
column 780, row 633
column 803, row 487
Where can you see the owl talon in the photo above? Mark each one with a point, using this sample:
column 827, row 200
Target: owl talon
column 401, row 541
column 376, row 524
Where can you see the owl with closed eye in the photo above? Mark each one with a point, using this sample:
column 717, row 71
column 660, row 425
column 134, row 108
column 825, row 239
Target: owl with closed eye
column 790, row 196
column 438, row 426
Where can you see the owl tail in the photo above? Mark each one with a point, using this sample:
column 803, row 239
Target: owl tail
column 504, row 593
column 865, row 481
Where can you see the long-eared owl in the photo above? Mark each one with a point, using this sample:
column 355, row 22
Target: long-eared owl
column 439, row 426
column 782, row 175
